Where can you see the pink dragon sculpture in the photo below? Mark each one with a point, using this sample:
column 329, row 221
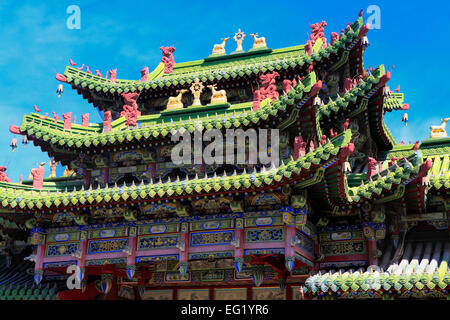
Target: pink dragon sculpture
column 67, row 118
column 167, row 58
column 393, row 160
column 3, row 176
column 144, row 74
column 60, row 77
column 371, row 167
column 55, row 116
column 346, row 151
column 308, row 47
column 107, row 120
column 348, row 84
column 85, row 120
column 332, row 133
column 323, row 140
column 423, row 169
column 317, row 30
column 130, row 108
column 334, row 37
column 288, row 85
column 299, row 147
column 38, row 176
column 345, row 124
column 112, row 75
column 268, row 89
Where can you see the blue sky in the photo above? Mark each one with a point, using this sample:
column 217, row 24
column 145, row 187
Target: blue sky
column 127, row 35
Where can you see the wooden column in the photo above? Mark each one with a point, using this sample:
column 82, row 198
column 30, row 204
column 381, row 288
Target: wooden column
column 81, row 260
column 131, row 259
column 184, row 247
column 38, row 238
column 290, row 232
column 239, row 244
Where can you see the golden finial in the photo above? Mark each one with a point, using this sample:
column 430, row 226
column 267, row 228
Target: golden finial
column 239, row 37
column 197, row 88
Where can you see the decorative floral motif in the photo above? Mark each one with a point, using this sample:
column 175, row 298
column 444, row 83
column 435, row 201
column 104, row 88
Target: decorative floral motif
column 262, row 235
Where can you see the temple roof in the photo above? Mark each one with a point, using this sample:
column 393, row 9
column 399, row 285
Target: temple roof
column 213, row 69
column 23, row 197
column 421, row 265
column 159, row 126
column 437, row 150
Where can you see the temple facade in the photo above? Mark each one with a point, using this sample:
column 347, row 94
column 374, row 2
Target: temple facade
column 344, row 212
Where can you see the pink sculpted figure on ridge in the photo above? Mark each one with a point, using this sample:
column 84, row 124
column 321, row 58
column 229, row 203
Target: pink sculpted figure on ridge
column 38, row 176
column 130, row 108
column 3, row 176
column 67, row 118
column 144, row 74
column 107, row 120
column 268, row 89
column 85, row 120
column 167, row 58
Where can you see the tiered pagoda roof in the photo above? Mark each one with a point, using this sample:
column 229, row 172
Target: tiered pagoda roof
column 315, row 178
column 218, row 69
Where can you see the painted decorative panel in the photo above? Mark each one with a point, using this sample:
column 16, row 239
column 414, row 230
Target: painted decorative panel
column 211, row 205
column 63, row 249
column 129, row 155
column 102, row 262
column 343, row 264
column 211, row 238
column 263, row 235
column 247, row 273
column 105, row 246
column 62, row 237
column 230, row 294
column 343, row 235
column 266, row 199
column 108, row 212
column 158, row 208
column 177, row 277
column 264, row 251
column 343, row 248
column 211, row 225
column 207, row 255
column 108, row 233
column 193, row 294
column 157, row 242
column 59, row 264
column 158, row 228
column 212, row 275
column 268, row 293
column 158, row 258
column 263, row 221
column 157, row 295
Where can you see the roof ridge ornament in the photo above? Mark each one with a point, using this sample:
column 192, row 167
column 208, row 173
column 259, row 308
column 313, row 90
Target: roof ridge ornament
column 239, row 37
column 196, row 89
column 258, row 42
column 220, row 48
